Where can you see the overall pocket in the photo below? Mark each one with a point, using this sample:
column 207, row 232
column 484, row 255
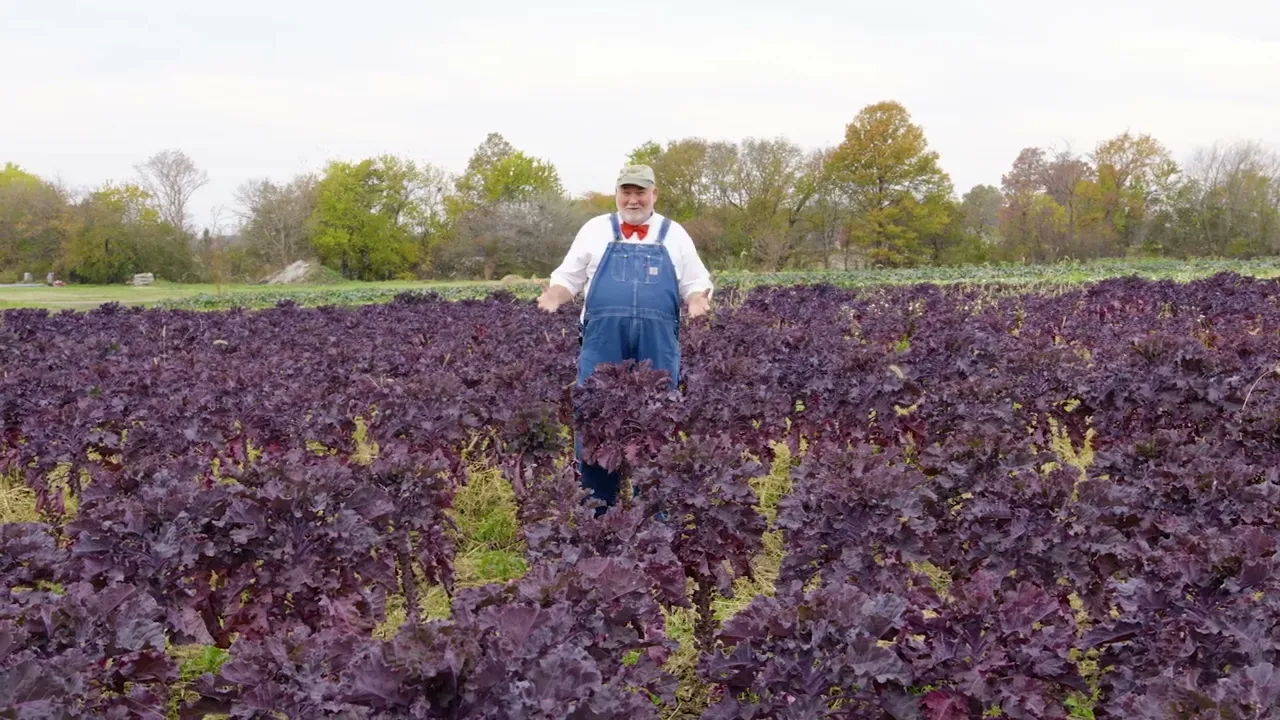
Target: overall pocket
column 618, row 264
column 650, row 268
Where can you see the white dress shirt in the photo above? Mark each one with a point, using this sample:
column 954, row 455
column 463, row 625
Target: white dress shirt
column 580, row 263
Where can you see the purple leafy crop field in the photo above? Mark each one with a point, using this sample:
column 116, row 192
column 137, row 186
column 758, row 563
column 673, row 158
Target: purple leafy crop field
column 997, row 505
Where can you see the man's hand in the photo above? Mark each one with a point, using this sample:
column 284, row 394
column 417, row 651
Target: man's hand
column 699, row 303
column 553, row 297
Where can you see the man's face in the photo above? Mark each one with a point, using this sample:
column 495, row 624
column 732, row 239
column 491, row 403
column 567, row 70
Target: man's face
column 635, row 204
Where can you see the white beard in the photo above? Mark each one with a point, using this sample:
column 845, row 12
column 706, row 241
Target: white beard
column 634, row 217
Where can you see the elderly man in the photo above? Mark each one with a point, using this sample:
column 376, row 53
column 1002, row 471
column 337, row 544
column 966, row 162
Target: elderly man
column 634, row 266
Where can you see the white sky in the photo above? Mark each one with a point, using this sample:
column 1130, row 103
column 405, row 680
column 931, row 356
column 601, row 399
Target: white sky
column 272, row 88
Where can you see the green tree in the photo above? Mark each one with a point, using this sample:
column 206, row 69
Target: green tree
column 119, row 233
column 358, row 227
column 691, row 173
column 768, row 185
column 824, row 220
column 956, row 242
column 1175, row 226
column 1134, row 173
column 935, row 222
column 1235, row 192
column 645, row 154
column 427, row 215
column 980, row 212
column 893, row 183
column 500, row 183
column 497, row 173
column 34, row 223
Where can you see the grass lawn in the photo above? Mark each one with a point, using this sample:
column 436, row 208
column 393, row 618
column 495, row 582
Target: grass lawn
column 84, row 297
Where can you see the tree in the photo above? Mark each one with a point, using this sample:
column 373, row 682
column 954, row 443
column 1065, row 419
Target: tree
column 893, row 183
column 645, row 154
column 690, row 174
column 119, row 233
column 949, row 243
column 768, row 186
column 825, row 217
column 493, row 149
column 1053, row 208
column 498, row 185
column 1103, row 202
column 745, row 204
column 1235, row 190
column 415, row 200
column 357, row 226
column 497, row 172
column 34, row 222
column 517, row 237
column 597, row 203
column 1065, row 180
column 171, row 178
column 1135, row 177
column 980, row 212
column 214, row 255
column 274, row 218
column 936, row 222
column 428, row 212
column 1031, row 221
column 1174, row 228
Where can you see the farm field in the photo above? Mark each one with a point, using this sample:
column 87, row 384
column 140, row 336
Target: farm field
column 1027, row 499
column 211, row 297
column 86, row 297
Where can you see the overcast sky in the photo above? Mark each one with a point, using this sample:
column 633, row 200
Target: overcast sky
column 270, row 88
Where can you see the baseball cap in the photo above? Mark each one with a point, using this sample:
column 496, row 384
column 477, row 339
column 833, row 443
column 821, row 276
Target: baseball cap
column 641, row 175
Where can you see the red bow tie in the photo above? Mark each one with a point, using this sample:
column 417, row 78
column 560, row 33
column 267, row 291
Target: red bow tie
column 628, row 230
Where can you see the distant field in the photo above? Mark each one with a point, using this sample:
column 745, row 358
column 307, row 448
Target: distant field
column 212, row 297
column 80, row 297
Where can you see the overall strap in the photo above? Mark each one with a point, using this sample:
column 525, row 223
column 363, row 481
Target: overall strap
column 617, row 231
column 662, row 229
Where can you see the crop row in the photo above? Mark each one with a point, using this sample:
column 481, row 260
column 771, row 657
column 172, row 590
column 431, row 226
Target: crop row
column 1004, row 504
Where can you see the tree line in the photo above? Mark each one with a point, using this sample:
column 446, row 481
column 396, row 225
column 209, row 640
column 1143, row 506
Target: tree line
column 879, row 197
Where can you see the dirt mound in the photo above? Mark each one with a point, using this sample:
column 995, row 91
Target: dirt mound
column 301, row 271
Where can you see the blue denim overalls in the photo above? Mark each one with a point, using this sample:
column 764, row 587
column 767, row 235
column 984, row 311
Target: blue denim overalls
column 632, row 312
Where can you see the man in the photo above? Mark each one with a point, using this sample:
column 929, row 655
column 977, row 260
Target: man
column 634, row 268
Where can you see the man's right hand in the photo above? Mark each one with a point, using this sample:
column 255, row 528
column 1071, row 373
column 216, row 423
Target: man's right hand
column 553, row 297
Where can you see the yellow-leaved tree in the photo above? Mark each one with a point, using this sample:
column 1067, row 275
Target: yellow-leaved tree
column 898, row 195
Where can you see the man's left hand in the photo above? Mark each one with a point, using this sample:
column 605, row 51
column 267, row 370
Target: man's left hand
column 699, row 303
column 552, row 297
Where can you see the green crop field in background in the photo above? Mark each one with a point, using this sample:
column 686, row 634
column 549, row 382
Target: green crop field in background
column 83, row 297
